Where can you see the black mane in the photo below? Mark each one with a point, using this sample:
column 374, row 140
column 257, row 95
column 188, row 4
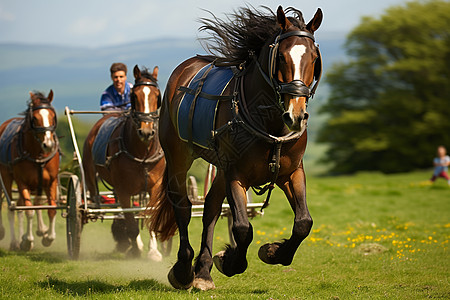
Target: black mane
column 145, row 73
column 246, row 29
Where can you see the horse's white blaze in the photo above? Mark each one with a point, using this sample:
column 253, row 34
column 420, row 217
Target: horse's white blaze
column 146, row 91
column 296, row 54
column 45, row 117
column 291, row 110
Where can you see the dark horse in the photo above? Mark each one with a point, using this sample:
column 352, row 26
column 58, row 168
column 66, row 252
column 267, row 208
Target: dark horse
column 133, row 162
column 260, row 138
column 29, row 151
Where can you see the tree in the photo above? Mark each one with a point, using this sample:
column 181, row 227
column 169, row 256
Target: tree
column 389, row 105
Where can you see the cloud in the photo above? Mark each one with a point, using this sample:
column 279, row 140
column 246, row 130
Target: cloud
column 88, row 26
column 6, row 15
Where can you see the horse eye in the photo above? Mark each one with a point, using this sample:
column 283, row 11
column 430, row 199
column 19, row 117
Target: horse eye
column 282, row 58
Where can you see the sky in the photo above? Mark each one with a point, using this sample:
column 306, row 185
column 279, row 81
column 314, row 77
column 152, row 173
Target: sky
column 100, row 23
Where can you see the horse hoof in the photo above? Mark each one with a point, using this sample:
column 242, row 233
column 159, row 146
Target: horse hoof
column 175, row 283
column 154, row 255
column 122, row 247
column 204, row 285
column 267, row 253
column 26, row 245
column 218, row 260
column 133, row 253
column 46, row 242
column 14, row 246
column 2, row 233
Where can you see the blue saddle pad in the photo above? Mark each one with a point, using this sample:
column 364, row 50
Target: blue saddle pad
column 204, row 116
column 100, row 145
column 10, row 132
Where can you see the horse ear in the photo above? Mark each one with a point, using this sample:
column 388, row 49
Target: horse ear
column 314, row 24
column 155, row 72
column 32, row 98
column 136, row 72
column 50, row 96
column 282, row 20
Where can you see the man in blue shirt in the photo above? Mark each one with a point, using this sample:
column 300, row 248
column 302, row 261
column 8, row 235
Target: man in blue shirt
column 117, row 95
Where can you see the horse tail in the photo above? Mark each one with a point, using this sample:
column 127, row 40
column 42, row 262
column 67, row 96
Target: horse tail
column 160, row 210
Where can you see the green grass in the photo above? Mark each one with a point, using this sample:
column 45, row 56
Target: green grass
column 374, row 237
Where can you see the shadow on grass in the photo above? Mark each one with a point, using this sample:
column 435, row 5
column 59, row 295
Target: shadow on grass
column 48, row 257
column 92, row 287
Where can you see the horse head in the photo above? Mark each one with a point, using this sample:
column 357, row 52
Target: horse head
column 42, row 120
column 145, row 102
column 295, row 67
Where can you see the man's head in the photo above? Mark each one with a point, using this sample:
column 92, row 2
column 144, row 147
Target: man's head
column 119, row 76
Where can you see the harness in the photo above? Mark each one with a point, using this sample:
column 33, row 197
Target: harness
column 295, row 87
column 24, row 155
column 242, row 117
column 136, row 118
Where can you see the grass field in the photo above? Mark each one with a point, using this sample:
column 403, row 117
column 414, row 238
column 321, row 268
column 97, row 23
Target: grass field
column 374, row 237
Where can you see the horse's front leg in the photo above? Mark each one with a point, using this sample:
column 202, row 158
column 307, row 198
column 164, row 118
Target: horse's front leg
column 50, row 234
column 294, row 187
column 211, row 212
column 25, row 199
column 153, row 252
column 41, row 227
column 233, row 260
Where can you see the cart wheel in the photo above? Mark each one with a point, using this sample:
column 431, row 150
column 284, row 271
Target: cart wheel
column 192, row 189
column 73, row 221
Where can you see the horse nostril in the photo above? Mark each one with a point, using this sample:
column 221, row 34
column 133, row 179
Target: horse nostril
column 287, row 119
column 306, row 116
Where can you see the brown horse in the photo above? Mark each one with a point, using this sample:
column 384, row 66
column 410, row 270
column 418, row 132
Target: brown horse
column 30, row 157
column 259, row 137
column 134, row 160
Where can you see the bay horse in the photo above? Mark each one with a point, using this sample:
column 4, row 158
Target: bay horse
column 259, row 136
column 133, row 162
column 29, row 150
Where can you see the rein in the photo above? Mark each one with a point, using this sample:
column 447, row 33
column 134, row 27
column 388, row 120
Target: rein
column 41, row 161
column 137, row 117
column 295, row 87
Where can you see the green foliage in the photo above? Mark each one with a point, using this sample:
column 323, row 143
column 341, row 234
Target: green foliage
column 81, row 128
column 388, row 107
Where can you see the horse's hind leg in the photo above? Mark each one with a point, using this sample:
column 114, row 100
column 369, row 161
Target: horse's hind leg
column 294, row 188
column 181, row 276
column 211, row 212
column 119, row 232
column 233, row 260
column 153, row 252
column 132, row 229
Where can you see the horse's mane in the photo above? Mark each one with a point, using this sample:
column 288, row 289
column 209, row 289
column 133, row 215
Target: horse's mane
column 147, row 74
column 246, row 29
column 38, row 95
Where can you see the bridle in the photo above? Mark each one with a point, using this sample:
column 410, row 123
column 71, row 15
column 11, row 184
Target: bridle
column 42, row 129
column 139, row 116
column 296, row 87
